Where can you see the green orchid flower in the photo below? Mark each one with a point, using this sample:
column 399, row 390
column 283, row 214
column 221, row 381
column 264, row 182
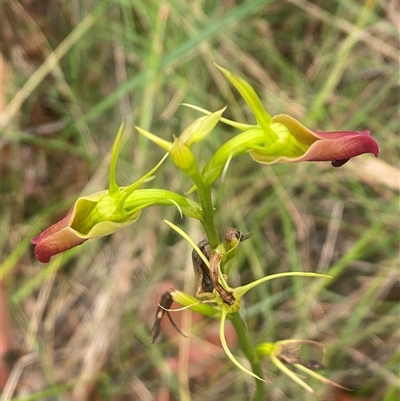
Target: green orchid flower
column 282, row 139
column 219, row 300
column 105, row 212
column 285, row 353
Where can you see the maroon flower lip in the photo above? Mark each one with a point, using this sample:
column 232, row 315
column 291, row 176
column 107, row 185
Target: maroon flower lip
column 94, row 216
column 338, row 147
column 341, row 146
column 56, row 239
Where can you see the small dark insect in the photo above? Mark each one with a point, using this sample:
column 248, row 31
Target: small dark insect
column 164, row 304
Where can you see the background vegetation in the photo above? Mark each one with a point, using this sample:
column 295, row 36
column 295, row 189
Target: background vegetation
column 80, row 324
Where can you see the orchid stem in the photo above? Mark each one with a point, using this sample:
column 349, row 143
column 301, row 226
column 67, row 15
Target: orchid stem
column 237, row 321
column 248, row 350
column 208, row 210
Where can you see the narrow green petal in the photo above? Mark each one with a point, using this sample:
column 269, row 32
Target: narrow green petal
column 319, row 377
column 156, row 139
column 146, row 178
column 290, row 374
column 188, row 239
column 240, row 291
column 239, row 126
column 228, row 351
column 251, row 98
column 113, row 189
column 249, row 95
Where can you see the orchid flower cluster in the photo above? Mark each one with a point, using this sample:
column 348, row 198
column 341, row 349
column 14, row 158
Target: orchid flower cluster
column 278, row 139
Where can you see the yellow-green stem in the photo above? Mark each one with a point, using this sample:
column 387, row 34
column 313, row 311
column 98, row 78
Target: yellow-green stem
column 248, row 350
column 208, row 209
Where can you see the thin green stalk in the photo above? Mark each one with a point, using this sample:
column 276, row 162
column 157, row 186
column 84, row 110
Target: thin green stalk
column 248, row 350
column 208, row 209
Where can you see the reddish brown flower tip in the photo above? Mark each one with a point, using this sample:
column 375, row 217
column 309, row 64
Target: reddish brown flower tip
column 341, row 146
column 302, row 144
column 335, row 146
column 56, row 239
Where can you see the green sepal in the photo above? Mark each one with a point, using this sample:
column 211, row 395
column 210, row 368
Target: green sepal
column 200, row 128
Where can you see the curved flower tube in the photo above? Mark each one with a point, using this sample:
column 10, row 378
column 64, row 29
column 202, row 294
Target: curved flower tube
column 335, row 146
column 283, row 139
column 105, row 212
column 94, row 216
